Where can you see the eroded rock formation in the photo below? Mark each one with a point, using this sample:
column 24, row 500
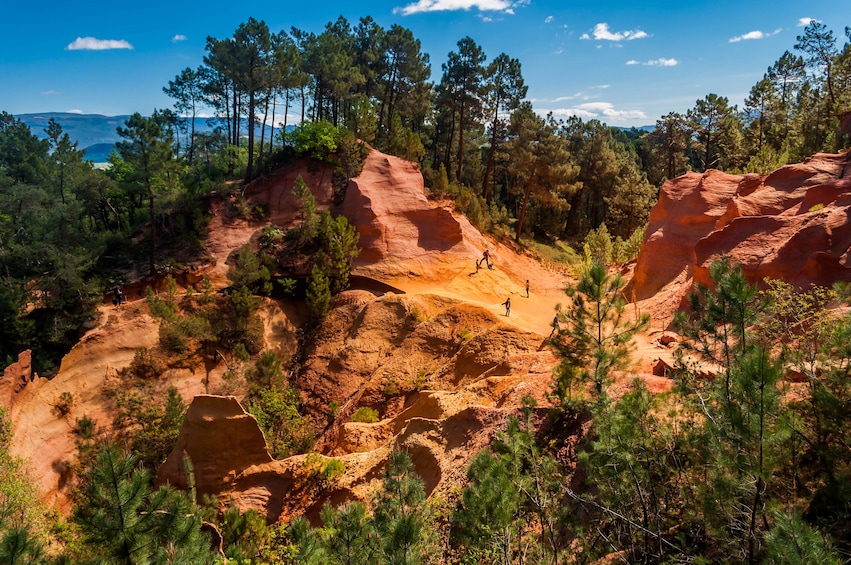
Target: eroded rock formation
column 791, row 224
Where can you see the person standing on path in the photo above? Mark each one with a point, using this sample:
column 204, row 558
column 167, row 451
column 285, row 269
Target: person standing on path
column 486, row 257
column 507, row 305
column 527, row 288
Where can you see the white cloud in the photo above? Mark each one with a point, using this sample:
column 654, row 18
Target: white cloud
column 94, row 44
column 660, row 62
column 178, row 37
column 602, row 33
column 804, row 22
column 549, row 20
column 75, row 111
column 50, row 92
column 756, row 34
column 604, row 111
column 506, row 6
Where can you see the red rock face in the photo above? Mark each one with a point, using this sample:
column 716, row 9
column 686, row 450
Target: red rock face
column 15, row 377
column 400, row 231
column 792, row 224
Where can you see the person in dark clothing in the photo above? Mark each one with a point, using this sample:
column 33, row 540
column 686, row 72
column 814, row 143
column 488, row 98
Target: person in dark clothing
column 555, row 325
column 527, row 288
column 119, row 296
column 486, row 257
column 507, row 305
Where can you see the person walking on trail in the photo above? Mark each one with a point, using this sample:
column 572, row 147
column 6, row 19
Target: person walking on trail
column 486, row 258
column 118, row 297
column 527, row 288
column 507, row 305
column 555, row 325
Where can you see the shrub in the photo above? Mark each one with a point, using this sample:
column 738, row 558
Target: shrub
column 317, row 139
column 598, row 247
column 145, row 365
column 318, row 293
column 333, row 470
column 625, row 251
column 365, row 415
column 63, row 405
column 85, row 428
column 287, row 432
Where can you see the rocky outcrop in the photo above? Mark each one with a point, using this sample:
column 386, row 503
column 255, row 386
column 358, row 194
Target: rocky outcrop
column 401, row 232
column 220, row 439
column 15, row 378
column 792, row 224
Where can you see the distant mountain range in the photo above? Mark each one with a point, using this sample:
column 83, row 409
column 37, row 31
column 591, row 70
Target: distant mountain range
column 94, row 133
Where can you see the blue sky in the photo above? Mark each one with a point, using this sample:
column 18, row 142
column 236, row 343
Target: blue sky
column 626, row 63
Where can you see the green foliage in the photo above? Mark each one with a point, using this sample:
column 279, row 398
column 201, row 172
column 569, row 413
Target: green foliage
column 243, row 534
column 631, row 459
column 145, row 365
column 249, row 271
column 510, row 506
column 150, row 422
column 318, row 293
column 309, row 227
column 333, row 471
column 287, row 432
column 598, row 248
column 349, row 535
column 794, row 542
column 339, row 242
column 23, row 519
column 396, row 533
column 317, row 139
column 400, row 514
column 595, row 336
column 124, row 520
column 744, row 432
column 62, row 407
column 626, row 251
column 288, row 286
column 365, row 414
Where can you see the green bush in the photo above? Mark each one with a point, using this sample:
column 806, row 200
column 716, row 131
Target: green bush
column 598, row 247
column 365, row 415
column 625, row 251
column 316, row 139
column 333, row 470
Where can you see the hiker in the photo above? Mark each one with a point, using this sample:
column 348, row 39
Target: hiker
column 507, row 305
column 555, row 325
column 118, row 296
column 486, row 258
column 527, row 288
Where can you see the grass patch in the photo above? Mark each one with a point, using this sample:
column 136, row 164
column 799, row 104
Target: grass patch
column 557, row 252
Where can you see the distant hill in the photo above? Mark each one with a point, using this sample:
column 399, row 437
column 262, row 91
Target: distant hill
column 86, row 129
column 94, row 133
column 99, row 152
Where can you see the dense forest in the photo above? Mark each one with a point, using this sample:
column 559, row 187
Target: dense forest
column 724, row 470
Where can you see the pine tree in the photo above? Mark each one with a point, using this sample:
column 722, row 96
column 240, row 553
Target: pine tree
column 596, row 335
column 400, row 512
column 349, row 535
column 125, row 521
